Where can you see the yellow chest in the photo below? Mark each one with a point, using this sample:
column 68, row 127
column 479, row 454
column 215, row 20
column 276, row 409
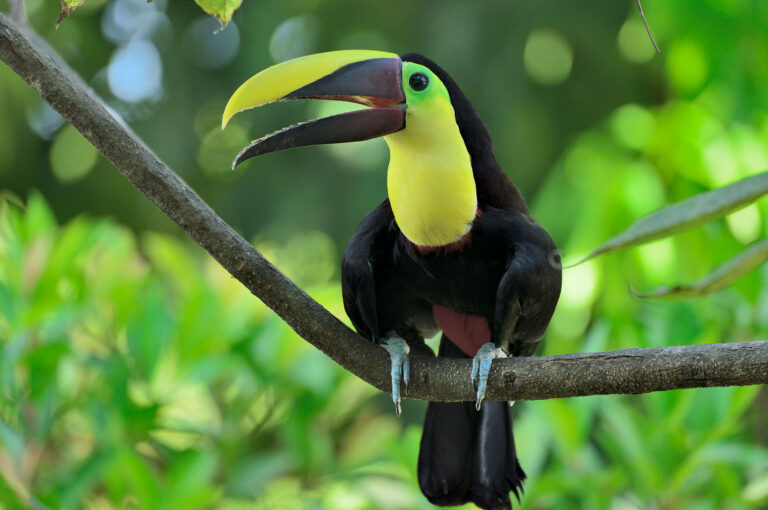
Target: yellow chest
column 430, row 182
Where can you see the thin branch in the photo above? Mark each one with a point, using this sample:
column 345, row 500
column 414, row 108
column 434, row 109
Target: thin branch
column 626, row 371
column 17, row 11
column 647, row 29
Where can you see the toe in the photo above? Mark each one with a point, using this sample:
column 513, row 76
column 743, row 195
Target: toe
column 406, row 372
column 398, row 354
column 481, row 368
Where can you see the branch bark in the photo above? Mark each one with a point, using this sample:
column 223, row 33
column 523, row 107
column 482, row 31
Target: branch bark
column 625, row 371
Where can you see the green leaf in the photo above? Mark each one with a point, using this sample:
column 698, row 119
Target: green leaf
column 67, row 6
column 190, row 476
column 723, row 276
column 222, row 10
column 149, row 330
column 130, row 477
column 44, row 362
column 757, row 490
column 9, row 494
column 38, row 218
column 83, row 477
column 687, row 214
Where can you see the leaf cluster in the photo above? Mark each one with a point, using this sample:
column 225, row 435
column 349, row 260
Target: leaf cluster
column 125, row 380
column 222, row 10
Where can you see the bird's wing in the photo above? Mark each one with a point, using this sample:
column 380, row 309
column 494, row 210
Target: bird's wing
column 528, row 291
column 372, row 240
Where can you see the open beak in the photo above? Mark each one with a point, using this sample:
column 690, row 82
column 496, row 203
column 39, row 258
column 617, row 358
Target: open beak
column 370, row 78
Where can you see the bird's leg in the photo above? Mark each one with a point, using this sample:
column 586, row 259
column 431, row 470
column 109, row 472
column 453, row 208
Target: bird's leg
column 481, row 367
column 398, row 351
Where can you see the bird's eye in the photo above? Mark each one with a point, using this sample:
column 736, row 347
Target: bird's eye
column 418, row 81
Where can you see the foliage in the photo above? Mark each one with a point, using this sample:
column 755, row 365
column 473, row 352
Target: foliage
column 222, row 10
column 722, row 277
column 125, row 381
column 67, row 6
column 690, row 213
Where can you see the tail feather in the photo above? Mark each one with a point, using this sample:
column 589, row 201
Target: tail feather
column 468, row 455
column 497, row 471
column 445, row 456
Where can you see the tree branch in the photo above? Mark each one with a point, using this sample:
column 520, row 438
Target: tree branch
column 625, row 371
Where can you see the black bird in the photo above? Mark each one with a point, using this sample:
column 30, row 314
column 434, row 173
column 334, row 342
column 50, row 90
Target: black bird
column 453, row 248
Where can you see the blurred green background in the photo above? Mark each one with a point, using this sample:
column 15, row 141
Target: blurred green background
column 135, row 373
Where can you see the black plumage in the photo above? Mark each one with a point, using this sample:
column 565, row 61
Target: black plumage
column 506, row 270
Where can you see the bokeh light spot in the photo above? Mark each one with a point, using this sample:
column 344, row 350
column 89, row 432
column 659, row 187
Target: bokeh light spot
column 72, row 156
column 547, row 57
column 308, row 258
column 658, row 260
column 44, row 120
column 634, row 43
column 745, row 225
column 219, row 148
column 124, row 19
column 135, row 72
column 206, row 46
column 720, row 161
column 293, row 38
column 751, row 152
column 579, row 285
column 642, row 190
column 687, row 66
column 633, row 126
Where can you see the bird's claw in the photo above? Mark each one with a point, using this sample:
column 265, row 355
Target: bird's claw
column 401, row 368
column 481, row 367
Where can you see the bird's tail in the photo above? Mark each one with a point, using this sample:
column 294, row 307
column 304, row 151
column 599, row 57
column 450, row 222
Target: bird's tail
column 468, row 455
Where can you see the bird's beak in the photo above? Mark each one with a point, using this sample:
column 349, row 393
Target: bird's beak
column 370, row 78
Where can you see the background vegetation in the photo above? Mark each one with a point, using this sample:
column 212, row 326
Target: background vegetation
column 135, row 373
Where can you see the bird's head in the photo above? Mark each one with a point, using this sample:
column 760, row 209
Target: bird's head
column 407, row 93
column 433, row 133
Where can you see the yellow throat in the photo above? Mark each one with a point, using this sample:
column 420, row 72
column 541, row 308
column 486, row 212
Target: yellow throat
column 430, row 181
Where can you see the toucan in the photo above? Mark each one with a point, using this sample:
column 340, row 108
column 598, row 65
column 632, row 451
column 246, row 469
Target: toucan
column 452, row 248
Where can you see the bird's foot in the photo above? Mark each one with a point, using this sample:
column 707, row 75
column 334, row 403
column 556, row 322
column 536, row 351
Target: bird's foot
column 481, row 367
column 401, row 368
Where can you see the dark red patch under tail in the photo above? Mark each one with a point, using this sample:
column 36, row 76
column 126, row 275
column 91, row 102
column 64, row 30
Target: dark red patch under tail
column 468, row 332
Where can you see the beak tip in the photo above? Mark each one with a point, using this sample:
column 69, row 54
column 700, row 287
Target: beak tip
column 230, row 110
column 239, row 158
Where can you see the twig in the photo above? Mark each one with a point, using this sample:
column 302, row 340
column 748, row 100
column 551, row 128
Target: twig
column 625, row 371
column 647, row 29
column 17, row 11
